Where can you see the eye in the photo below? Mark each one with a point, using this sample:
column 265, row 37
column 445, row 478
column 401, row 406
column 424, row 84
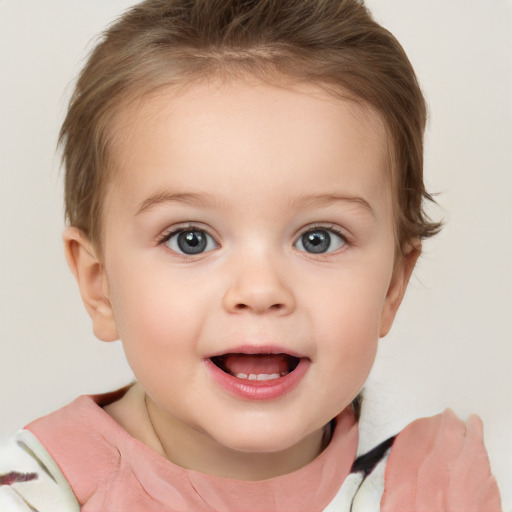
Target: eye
column 319, row 241
column 190, row 241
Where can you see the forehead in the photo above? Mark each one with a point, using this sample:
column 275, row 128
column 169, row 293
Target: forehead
column 235, row 137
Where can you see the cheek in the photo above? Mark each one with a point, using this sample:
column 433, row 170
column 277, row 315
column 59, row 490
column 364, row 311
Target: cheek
column 348, row 321
column 354, row 302
column 157, row 318
column 158, row 339
column 350, row 342
column 351, row 337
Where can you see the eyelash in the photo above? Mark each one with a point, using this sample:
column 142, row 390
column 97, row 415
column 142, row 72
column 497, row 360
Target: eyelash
column 321, row 227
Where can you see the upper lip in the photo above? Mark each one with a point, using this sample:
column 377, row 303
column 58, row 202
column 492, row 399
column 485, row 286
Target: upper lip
column 257, row 349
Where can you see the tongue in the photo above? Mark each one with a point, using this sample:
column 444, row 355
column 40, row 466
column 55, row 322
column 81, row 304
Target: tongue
column 256, row 364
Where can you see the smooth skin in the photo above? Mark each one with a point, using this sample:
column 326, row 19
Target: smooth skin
column 252, row 167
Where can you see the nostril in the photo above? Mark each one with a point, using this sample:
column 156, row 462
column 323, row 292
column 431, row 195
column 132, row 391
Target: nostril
column 273, row 307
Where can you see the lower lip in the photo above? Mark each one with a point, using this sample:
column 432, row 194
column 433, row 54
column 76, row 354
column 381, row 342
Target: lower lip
column 258, row 390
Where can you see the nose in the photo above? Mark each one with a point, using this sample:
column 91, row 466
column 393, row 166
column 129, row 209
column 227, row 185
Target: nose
column 258, row 286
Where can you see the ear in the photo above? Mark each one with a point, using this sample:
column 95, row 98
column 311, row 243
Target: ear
column 90, row 275
column 396, row 291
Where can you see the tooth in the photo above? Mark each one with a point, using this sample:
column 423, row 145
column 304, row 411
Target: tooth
column 284, row 373
column 260, row 376
column 266, row 376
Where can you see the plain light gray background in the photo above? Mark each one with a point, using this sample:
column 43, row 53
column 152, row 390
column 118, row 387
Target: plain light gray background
column 452, row 342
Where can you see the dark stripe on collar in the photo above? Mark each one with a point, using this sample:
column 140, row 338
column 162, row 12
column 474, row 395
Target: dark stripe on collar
column 367, row 462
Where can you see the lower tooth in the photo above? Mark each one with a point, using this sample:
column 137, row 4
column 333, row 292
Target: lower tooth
column 266, row 376
column 260, row 376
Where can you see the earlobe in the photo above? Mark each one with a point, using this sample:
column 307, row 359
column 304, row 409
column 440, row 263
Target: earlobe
column 90, row 275
column 397, row 287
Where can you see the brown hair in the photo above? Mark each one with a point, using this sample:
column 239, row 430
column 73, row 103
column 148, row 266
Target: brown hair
column 332, row 43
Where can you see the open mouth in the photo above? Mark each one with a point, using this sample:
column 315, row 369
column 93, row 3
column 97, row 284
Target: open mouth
column 256, row 367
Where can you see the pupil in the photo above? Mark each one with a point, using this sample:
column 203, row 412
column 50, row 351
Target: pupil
column 192, row 239
column 316, row 241
column 192, row 242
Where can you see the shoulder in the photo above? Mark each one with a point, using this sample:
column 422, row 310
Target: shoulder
column 30, row 479
column 440, row 463
column 437, row 464
column 84, row 440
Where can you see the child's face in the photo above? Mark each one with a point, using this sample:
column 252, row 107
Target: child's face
column 245, row 218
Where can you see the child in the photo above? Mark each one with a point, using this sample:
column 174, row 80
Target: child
column 244, row 195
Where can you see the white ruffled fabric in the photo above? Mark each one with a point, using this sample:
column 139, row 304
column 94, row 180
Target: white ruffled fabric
column 45, row 488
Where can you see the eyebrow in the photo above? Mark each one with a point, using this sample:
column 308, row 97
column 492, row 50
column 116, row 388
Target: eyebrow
column 206, row 199
column 167, row 197
column 327, row 199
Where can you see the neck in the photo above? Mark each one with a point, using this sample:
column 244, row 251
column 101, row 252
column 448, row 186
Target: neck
column 194, row 450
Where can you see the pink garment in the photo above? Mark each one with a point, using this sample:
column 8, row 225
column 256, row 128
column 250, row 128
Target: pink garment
column 437, row 464
column 440, row 464
column 110, row 471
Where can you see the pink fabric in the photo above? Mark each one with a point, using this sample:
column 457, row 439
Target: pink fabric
column 440, row 464
column 110, row 471
column 437, row 464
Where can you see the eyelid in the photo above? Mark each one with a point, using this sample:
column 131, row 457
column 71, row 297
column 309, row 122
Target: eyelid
column 185, row 226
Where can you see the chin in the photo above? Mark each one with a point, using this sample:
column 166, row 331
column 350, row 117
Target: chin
column 260, row 440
